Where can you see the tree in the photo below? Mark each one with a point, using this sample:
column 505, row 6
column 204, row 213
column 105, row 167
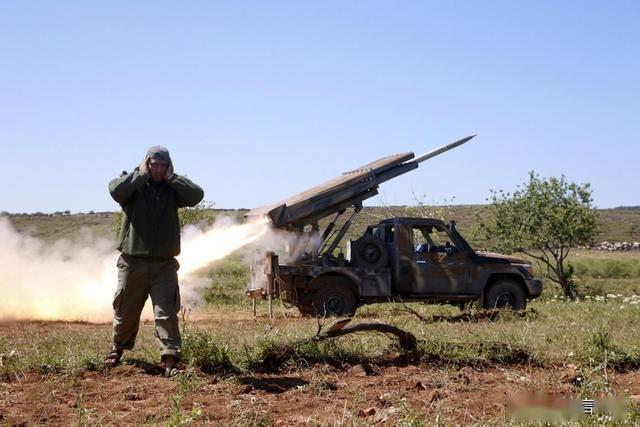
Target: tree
column 543, row 219
column 202, row 214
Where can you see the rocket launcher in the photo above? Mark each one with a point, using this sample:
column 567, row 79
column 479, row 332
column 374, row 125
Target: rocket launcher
column 346, row 191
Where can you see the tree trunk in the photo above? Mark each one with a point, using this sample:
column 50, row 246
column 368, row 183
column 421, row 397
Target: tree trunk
column 567, row 287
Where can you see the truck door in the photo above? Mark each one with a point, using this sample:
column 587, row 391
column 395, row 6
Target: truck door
column 438, row 266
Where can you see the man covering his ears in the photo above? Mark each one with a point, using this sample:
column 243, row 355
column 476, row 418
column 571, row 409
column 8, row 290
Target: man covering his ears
column 149, row 241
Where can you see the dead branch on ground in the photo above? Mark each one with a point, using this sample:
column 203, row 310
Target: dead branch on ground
column 407, row 340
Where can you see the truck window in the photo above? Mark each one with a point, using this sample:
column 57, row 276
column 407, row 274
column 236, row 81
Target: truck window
column 432, row 239
column 419, row 239
column 388, row 233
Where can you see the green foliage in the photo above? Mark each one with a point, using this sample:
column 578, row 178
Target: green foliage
column 202, row 214
column 201, row 350
column 543, row 213
column 90, row 362
column 601, row 350
column 545, row 219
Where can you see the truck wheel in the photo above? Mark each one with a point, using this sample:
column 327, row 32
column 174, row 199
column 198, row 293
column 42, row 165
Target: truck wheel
column 306, row 310
column 334, row 300
column 505, row 294
column 369, row 252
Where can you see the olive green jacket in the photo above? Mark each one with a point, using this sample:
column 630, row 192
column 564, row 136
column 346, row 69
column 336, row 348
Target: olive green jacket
column 150, row 225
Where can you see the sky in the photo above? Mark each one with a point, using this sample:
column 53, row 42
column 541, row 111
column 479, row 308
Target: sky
column 257, row 101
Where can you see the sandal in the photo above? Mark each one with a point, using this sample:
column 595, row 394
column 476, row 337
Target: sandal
column 170, row 363
column 113, row 358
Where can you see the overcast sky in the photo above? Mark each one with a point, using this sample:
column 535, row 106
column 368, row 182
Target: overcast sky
column 257, row 101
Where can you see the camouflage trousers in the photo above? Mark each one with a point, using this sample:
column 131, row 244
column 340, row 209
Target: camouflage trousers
column 139, row 278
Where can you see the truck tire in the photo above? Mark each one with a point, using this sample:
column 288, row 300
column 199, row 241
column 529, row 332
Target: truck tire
column 306, row 310
column 369, row 252
column 505, row 294
column 334, row 300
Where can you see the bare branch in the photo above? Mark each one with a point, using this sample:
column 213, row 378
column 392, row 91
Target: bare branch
column 321, row 321
column 407, row 340
column 412, row 311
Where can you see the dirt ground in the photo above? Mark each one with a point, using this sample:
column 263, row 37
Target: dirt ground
column 388, row 393
column 136, row 394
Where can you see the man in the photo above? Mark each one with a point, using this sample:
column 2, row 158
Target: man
column 149, row 240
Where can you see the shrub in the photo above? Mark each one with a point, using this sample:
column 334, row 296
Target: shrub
column 201, row 350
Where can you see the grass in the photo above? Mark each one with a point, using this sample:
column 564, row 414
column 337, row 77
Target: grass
column 592, row 334
column 270, row 355
column 52, row 228
column 562, row 333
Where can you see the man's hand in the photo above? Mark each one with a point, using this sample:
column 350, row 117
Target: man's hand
column 169, row 173
column 144, row 167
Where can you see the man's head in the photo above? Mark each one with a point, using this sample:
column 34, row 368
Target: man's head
column 158, row 162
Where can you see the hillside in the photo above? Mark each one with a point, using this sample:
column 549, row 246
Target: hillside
column 616, row 225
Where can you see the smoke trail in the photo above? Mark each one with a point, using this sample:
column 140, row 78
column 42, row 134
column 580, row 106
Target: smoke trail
column 76, row 281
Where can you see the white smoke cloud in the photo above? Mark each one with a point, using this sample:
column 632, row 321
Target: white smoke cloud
column 76, row 280
column 70, row 281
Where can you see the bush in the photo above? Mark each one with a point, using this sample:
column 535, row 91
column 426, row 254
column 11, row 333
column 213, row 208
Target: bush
column 201, row 350
column 600, row 348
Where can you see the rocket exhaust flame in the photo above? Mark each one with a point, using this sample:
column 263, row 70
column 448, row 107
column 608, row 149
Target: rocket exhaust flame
column 76, row 281
column 201, row 248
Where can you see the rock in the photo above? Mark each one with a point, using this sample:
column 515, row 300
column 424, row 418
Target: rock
column 385, row 398
column 367, row 412
column 420, row 386
column 636, row 245
column 359, row 370
column 434, row 395
column 570, row 374
column 133, row 396
column 3, row 357
column 384, row 414
column 326, row 385
column 464, row 375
